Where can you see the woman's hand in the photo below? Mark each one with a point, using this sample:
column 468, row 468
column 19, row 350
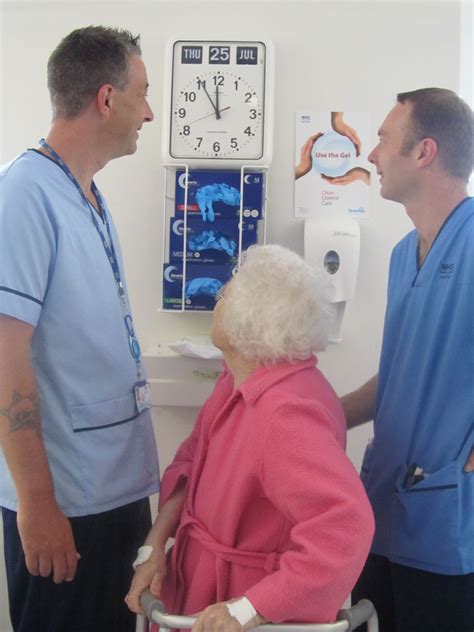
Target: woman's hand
column 216, row 618
column 148, row 575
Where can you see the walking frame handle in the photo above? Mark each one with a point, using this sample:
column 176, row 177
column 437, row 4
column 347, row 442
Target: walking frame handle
column 348, row 619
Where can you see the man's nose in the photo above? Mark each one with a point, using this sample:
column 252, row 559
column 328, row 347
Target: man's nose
column 371, row 157
column 149, row 116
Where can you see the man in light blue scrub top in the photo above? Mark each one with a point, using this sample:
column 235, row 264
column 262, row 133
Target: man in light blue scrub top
column 78, row 458
column 419, row 469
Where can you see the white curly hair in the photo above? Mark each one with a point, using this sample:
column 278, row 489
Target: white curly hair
column 277, row 307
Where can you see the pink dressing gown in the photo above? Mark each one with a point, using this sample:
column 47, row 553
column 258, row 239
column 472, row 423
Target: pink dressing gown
column 274, row 509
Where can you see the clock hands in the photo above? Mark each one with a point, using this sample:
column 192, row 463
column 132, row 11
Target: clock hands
column 203, row 85
column 208, row 115
column 218, row 116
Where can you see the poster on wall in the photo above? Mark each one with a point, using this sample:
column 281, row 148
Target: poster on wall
column 331, row 167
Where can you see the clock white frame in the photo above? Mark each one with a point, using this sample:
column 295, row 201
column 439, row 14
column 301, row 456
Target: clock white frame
column 216, row 162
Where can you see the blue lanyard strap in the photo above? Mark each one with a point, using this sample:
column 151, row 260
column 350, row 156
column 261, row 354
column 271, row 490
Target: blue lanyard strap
column 133, row 343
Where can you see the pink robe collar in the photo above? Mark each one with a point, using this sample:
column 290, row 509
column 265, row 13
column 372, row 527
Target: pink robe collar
column 264, row 377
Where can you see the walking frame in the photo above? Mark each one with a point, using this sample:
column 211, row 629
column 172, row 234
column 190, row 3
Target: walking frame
column 348, row 619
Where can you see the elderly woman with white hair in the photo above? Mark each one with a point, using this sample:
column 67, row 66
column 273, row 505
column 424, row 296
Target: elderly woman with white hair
column 270, row 520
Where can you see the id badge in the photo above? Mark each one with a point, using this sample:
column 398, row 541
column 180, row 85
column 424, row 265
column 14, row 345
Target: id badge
column 142, row 395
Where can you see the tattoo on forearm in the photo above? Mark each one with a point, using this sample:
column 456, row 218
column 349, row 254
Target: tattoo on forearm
column 23, row 412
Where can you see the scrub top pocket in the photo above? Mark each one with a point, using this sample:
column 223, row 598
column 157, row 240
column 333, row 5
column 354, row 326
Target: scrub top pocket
column 433, row 520
column 109, row 436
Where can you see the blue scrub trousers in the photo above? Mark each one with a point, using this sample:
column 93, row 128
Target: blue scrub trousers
column 411, row 600
column 93, row 601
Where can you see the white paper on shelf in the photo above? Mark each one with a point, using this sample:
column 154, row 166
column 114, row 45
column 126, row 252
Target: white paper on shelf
column 196, row 347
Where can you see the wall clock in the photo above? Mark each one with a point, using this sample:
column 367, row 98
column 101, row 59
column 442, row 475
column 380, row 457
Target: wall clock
column 218, row 103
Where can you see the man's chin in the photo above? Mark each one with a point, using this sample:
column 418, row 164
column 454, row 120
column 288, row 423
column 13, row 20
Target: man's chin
column 129, row 150
column 387, row 195
column 384, row 193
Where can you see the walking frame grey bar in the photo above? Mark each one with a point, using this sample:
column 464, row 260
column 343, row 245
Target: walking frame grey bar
column 348, row 619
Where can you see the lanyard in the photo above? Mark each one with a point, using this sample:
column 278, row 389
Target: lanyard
column 133, row 343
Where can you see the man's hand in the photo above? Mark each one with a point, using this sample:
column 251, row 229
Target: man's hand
column 148, row 575
column 306, row 160
column 357, row 173
column 469, row 466
column 47, row 541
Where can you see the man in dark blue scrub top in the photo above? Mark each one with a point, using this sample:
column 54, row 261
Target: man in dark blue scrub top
column 419, row 469
column 78, row 458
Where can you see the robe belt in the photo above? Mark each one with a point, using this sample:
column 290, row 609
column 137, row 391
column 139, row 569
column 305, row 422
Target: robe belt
column 268, row 562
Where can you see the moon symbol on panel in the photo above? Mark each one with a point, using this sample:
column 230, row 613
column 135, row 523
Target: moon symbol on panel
column 182, row 180
column 246, row 179
column 178, row 228
column 168, row 272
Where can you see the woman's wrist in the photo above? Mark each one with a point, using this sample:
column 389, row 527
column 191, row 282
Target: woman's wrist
column 242, row 610
column 143, row 555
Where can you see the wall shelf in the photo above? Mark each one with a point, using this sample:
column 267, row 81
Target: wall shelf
column 177, row 380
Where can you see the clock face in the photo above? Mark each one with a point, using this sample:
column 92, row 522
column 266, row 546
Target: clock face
column 217, row 100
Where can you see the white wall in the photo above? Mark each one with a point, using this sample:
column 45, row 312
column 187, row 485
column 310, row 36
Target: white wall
column 329, row 55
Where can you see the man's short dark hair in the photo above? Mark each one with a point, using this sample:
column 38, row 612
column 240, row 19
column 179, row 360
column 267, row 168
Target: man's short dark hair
column 441, row 115
column 85, row 60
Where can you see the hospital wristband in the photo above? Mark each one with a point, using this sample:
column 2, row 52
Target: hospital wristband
column 242, row 610
column 144, row 554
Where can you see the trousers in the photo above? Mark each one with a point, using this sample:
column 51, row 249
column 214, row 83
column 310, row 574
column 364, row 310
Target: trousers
column 412, row 600
column 93, row 601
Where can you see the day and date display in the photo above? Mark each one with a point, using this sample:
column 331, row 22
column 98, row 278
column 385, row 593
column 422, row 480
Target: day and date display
column 241, row 55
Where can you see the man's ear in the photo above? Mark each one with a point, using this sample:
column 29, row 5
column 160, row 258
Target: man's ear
column 105, row 99
column 426, row 151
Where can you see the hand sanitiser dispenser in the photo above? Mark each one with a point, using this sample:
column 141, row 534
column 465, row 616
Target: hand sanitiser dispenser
column 332, row 241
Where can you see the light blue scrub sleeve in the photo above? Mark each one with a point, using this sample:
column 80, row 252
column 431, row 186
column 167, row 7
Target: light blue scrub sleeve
column 27, row 251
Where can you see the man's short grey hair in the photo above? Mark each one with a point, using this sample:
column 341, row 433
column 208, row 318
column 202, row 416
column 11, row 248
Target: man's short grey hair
column 84, row 61
column 277, row 307
column 440, row 114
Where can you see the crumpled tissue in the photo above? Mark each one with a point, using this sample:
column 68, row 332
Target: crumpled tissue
column 196, row 347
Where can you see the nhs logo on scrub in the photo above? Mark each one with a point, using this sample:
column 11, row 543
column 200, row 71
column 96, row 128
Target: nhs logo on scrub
column 446, row 270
